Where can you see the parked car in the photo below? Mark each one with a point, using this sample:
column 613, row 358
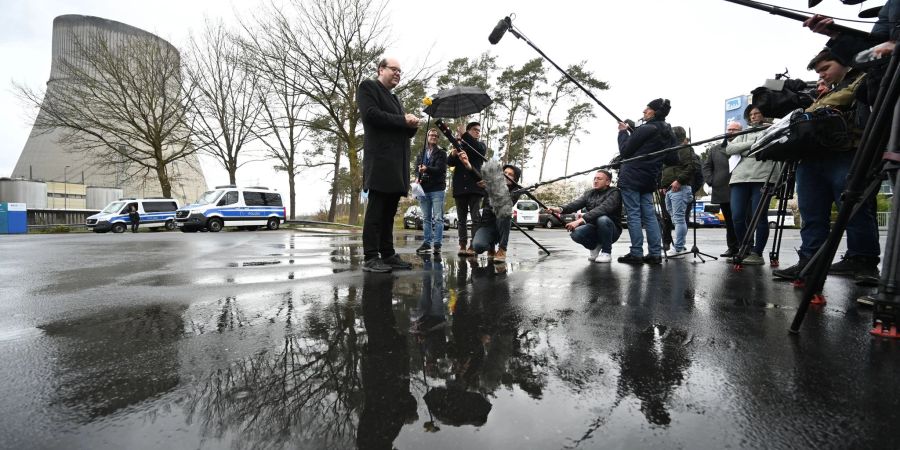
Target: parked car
column 704, row 219
column 412, row 218
column 788, row 219
column 450, row 218
column 548, row 220
column 526, row 213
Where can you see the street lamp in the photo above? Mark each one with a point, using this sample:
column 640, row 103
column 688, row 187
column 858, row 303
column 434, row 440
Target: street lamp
column 66, row 188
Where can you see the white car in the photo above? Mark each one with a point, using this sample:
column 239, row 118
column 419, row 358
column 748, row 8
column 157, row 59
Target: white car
column 526, row 213
column 450, row 218
column 788, row 219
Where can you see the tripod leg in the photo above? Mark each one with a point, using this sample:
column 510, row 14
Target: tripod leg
column 529, row 237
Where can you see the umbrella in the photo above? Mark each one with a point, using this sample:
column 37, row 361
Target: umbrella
column 458, row 101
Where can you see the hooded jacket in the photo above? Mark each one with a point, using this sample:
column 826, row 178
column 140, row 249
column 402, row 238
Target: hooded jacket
column 643, row 175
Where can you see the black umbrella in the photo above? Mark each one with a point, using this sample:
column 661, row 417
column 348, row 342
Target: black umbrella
column 458, row 101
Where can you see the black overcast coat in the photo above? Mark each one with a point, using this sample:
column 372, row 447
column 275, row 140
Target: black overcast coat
column 386, row 145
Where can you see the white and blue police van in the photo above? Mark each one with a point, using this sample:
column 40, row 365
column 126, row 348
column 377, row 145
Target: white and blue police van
column 155, row 213
column 230, row 206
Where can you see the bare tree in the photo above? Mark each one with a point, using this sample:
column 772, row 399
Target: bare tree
column 228, row 102
column 120, row 101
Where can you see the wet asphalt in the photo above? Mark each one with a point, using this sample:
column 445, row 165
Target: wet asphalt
column 279, row 340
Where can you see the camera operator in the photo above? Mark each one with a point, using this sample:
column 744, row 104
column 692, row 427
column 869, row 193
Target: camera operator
column 431, row 173
column 821, row 181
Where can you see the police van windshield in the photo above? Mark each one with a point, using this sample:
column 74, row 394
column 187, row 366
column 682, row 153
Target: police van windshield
column 209, row 197
column 113, row 207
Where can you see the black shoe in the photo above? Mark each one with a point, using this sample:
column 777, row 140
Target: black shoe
column 394, row 262
column 791, row 273
column 424, row 248
column 376, row 265
column 867, row 274
column 848, row 265
column 730, row 253
column 631, row 259
column 650, row 259
column 437, row 249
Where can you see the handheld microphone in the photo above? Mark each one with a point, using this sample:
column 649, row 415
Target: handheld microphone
column 499, row 30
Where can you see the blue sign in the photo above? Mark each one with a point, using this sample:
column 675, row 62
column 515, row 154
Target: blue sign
column 734, row 110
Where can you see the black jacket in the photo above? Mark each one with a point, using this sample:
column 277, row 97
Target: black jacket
column 643, row 175
column 607, row 202
column 435, row 177
column 386, row 145
column 716, row 174
column 464, row 180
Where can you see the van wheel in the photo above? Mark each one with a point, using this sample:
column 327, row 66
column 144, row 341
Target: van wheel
column 214, row 225
column 170, row 225
column 118, row 228
column 273, row 224
column 531, row 228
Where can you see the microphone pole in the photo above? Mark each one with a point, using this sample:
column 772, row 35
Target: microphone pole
column 775, row 10
column 497, row 34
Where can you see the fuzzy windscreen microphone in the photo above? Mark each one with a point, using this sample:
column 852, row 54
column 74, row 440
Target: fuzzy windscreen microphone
column 498, row 193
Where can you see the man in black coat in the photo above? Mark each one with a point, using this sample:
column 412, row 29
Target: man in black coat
column 717, row 174
column 468, row 190
column 385, row 164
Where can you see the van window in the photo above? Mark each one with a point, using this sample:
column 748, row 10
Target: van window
column 527, row 206
column 127, row 208
column 113, row 207
column 254, row 199
column 230, row 198
column 208, row 197
column 273, row 199
column 152, row 207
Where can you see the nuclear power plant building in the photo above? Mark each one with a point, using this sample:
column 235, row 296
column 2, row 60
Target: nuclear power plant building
column 47, row 159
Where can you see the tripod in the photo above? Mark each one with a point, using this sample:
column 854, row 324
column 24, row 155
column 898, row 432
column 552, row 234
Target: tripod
column 762, row 208
column 784, row 191
column 882, row 132
column 694, row 249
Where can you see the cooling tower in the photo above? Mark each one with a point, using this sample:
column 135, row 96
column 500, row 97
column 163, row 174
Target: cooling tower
column 46, row 158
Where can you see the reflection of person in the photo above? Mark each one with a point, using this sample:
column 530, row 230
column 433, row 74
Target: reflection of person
column 676, row 180
column 717, row 174
column 638, row 179
column 467, row 193
column 747, row 181
column 600, row 225
column 494, row 231
column 385, row 164
column 387, row 402
column 431, row 170
column 135, row 217
column 821, row 182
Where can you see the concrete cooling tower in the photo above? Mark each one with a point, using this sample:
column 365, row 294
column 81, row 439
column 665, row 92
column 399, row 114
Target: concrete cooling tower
column 46, row 158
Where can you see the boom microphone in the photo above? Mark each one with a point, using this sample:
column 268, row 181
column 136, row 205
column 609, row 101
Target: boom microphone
column 499, row 30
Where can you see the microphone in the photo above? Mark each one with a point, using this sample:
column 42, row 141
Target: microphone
column 499, row 30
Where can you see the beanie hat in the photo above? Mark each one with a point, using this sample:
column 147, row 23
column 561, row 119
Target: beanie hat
column 661, row 106
column 517, row 171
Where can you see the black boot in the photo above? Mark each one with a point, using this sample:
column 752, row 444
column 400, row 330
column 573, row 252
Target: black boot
column 793, row 272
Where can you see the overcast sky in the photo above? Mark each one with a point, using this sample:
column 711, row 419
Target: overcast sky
column 697, row 53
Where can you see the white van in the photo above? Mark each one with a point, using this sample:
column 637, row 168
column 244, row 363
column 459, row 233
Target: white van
column 155, row 213
column 231, row 206
column 526, row 213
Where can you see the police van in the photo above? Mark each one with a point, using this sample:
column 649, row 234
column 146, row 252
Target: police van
column 155, row 213
column 231, row 206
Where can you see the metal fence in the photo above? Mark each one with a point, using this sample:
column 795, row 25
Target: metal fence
column 52, row 217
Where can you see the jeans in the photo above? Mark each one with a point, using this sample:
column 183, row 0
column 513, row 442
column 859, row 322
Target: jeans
column 820, row 183
column 466, row 205
column 677, row 204
column 602, row 231
column 488, row 235
column 745, row 199
column 639, row 208
column 432, row 205
column 378, row 225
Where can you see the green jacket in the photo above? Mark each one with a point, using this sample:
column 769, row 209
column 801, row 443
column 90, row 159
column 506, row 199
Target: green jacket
column 683, row 171
column 749, row 170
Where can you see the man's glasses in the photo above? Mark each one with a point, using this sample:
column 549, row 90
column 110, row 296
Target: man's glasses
column 394, row 69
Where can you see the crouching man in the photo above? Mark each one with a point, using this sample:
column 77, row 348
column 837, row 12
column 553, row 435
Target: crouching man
column 599, row 227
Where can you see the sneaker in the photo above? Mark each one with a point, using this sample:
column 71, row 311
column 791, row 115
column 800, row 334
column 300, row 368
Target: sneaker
column 394, row 262
column 376, row 265
column 793, row 272
column 753, row 259
column 674, row 254
column 594, row 254
column 424, row 248
column 652, row 259
column 470, row 252
column 867, row 274
column 462, row 250
column 846, row 266
column 729, row 253
column 631, row 259
column 500, row 256
column 603, row 257
column 437, row 249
